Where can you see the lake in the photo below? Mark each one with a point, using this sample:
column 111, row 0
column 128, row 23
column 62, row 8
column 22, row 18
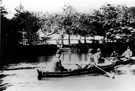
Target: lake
column 20, row 74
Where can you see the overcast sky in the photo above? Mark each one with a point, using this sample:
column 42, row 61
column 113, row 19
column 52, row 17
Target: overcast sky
column 56, row 5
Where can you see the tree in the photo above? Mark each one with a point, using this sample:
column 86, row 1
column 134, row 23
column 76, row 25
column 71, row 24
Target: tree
column 6, row 35
column 105, row 19
column 25, row 21
column 53, row 23
column 69, row 18
column 114, row 21
column 5, row 30
column 85, row 25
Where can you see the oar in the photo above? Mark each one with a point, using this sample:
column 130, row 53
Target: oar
column 79, row 66
column 107, row 73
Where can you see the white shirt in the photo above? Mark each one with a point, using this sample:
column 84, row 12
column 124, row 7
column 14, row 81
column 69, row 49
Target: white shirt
column 127, row 53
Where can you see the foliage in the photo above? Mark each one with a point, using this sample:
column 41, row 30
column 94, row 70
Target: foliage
column 70, row 16
column 112, row 22
column 25, row 21
column 116, row 22
column 5, row 25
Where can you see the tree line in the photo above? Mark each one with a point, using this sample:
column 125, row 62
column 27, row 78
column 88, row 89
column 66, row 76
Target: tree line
column 115, row 23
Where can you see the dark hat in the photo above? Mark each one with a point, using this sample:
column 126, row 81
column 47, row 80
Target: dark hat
column 58, row 52
column 90, row 50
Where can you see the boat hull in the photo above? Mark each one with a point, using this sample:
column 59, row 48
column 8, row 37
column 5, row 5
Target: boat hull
column 125, row 61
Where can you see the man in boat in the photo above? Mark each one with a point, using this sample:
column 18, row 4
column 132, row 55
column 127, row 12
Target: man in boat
column 91, row 56
column 114, row 54
column 114, row 57
column 58, row 64
column 127, row 54
column 95, row 59
column 97, row 56
column 91, row 61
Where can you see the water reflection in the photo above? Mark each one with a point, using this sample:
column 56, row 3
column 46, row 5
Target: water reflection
column 71, row 56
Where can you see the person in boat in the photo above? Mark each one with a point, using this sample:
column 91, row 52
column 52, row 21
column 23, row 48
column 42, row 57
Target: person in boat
column 94, row 58
column 98, row 55
column 91, row 61
column 128, row 53
column 114, row 54
column 58, row 64
column 113, row 57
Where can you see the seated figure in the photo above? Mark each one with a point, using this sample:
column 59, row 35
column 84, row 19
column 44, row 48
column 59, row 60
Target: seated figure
column 91, row 59
column 114, row 54
column 59, row 67
column 58, row 64
column 128, row 53
column 97, row 56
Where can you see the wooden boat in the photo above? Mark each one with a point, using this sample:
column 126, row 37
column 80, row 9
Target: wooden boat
column 125, row 61
column 104, row 66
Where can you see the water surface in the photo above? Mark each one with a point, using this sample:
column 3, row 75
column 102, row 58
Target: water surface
column 20, row 74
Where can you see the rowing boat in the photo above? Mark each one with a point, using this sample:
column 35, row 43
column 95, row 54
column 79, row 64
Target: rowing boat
column 126, row 61
column 104, row 66
column 109, row 64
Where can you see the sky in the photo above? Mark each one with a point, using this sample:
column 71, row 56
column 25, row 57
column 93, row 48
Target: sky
column 56, row 5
